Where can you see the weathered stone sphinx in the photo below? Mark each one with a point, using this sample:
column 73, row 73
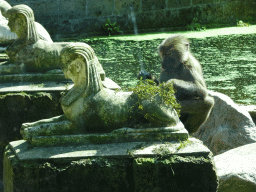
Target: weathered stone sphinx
column 34, row 52
column 89, row 107
column 31, row 51
column 6, row 36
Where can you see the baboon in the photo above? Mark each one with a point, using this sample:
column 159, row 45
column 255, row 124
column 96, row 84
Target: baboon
column 181, row 68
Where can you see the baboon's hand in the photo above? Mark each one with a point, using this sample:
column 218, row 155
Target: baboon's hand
column 144, row 75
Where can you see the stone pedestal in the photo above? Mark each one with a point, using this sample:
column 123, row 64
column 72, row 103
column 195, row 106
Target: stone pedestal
column 132, row 166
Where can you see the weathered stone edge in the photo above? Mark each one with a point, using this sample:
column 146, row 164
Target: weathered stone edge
column 58, row 140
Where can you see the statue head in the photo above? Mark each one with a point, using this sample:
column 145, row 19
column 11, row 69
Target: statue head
column 22, row 22
column 4, row 7
column 79, row 64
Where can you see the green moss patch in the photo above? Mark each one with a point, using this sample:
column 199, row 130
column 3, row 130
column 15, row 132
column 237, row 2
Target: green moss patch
column 175, row 173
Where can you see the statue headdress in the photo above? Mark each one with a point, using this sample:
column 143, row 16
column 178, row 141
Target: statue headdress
column 27, row 12
column 93, row 80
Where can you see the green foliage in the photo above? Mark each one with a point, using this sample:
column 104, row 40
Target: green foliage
column 111, row 28
column 195, row 26
column 147, row 90
column 242, row 24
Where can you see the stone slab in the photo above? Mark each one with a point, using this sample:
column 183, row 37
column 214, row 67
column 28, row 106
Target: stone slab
column 32, row 77
column 47, row 86
column 175, row 133
column 35, row 87
column 25, row 152
column 133, row 166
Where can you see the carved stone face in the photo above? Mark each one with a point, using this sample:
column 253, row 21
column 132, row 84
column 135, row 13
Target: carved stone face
column 74, row 70
column 16, row 24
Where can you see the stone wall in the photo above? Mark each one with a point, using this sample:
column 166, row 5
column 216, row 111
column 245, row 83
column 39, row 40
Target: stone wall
column 18, row 108
column 86, row 17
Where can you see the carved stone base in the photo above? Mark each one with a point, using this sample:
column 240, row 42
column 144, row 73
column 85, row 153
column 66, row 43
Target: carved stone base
column 175, row 133
column 133, row 166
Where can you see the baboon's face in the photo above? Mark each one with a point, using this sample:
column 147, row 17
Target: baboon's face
column 173, row 51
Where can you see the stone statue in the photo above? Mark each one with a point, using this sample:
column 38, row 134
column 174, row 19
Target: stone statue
column 90, row 108
column 30, row 52
column 37, row 54
column 7, row 35
column 33, row 51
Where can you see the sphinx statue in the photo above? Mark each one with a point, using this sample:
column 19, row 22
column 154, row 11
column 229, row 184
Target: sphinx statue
column 91, row 108
column 30, row 52
column 35, row 53
column 7, row 36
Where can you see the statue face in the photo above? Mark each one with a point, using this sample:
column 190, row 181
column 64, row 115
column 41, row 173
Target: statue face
column 74, row 70
column 16, row 24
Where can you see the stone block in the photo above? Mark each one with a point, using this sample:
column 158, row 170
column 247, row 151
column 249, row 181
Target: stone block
column 175, row 133
column 18, row 108
column 239, row 10
column 123, row 7
column 176, row 173
column 100, row 8
column 133, row 166
column 186, row 16
column 178, row 3
column 198, row 2
column 147, row 20
column 152, row 5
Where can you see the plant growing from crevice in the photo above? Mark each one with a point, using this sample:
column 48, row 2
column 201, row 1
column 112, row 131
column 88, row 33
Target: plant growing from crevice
column 195, row 26
column 111, row 28
column 147, row 90
column 242, row 24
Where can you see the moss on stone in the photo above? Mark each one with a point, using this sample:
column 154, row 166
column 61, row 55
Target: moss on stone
column 173, row 173
column 24, row 94
column 92, row 174
column 163, row 150
column 183, row 144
